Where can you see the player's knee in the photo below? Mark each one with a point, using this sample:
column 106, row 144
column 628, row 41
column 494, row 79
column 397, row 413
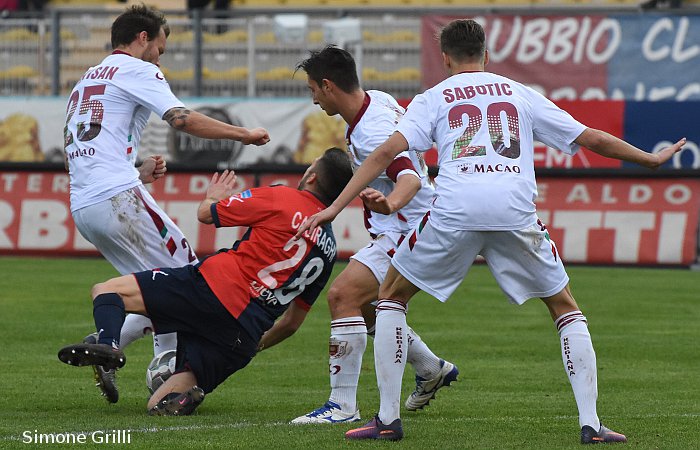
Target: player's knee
column 337, row 296
column 100, row 288
column 561, row 303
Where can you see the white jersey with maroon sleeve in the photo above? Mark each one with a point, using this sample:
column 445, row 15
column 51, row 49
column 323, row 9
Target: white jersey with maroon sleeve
column 375, row 122
column 485, row 126
column 106, row 113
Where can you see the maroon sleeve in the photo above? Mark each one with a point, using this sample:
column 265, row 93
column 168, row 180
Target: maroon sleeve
column 397, row 165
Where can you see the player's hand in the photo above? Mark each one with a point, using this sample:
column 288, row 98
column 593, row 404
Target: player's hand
column 256, row 136
column 152, row 168
column 663, row 155
column 221, row 186
column 375, row 201
column 160, row 168
column 320, row 218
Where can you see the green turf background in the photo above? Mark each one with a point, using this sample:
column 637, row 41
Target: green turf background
column 512, row 393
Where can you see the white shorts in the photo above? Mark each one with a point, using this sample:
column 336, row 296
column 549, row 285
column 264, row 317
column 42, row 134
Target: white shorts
column 377, row 254
column 525, row 263
column 133, row 233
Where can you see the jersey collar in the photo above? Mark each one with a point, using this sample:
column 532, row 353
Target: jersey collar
column 316, row 197
column 120, row 52
column 358, row 116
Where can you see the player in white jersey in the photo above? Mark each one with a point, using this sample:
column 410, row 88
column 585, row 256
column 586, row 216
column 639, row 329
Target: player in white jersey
column 106, row 114
column 395, row 200
column 484, row 126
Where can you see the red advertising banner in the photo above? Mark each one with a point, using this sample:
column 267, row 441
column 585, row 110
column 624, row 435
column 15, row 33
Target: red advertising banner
column 606, row 115
column 599, row 221
column 622, row 221
column 562, row 56
column 35, row 214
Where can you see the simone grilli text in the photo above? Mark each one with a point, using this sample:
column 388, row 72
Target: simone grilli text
column 92, row 437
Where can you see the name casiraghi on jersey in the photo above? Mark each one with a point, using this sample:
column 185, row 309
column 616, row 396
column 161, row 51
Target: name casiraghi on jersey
column 319, row 237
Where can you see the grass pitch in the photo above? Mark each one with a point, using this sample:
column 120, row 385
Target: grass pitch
column 512, row 393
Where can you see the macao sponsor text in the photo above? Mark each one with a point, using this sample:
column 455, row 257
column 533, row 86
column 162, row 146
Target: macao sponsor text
column 81, row 152
column 470, row 168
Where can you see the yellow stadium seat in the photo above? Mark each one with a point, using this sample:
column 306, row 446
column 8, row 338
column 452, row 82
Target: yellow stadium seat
column 18, row 34
column 402, row 74
column 178, row 75
column 228, row 37
column 391, row 37
column 276, row 73
column 234, row 73
column 18, row 72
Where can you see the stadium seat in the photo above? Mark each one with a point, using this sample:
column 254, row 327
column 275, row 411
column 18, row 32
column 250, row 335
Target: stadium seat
column 178, row 75
column 18, row 34
column 402, row 74
column 18, row 72
column 393, row 37
column 276, row 73
column 234, row 73
column 229, row 37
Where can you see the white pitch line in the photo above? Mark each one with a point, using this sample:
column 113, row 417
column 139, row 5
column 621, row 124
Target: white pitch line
column 423, row 419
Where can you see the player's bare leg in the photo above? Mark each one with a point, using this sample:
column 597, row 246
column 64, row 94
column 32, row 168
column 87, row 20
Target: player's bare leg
column 579, row 361
column 178, row 396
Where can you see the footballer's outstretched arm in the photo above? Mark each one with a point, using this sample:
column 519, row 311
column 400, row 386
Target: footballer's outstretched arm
column 286, row 326
column 370, row 169
column 610, row 146
column 200, row 125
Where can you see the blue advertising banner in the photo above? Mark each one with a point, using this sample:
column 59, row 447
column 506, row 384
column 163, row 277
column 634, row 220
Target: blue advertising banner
column 641, row 57
column 658, row 58
column 653, row 125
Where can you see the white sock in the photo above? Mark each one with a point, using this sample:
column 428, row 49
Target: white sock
column 580, row 365
column 423, row 360
column 390, row 348
column 135, row 327
column 345, row 349
column 164, row 342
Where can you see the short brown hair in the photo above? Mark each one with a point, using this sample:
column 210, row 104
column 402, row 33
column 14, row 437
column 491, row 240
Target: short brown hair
column 463, row 40
column 136, row 19
column 334, row 64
